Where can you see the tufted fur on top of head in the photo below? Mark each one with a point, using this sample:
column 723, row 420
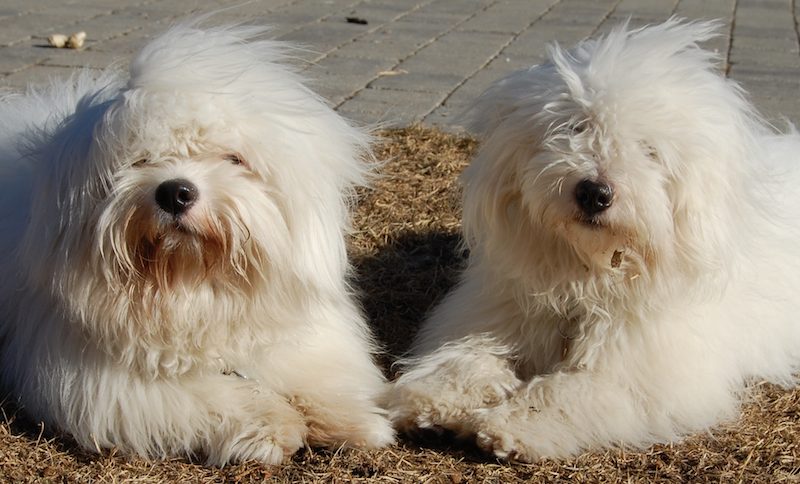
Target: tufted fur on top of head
column 646, row 110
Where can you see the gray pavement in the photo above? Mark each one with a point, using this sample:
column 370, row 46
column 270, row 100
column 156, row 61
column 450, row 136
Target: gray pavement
column 414, row 60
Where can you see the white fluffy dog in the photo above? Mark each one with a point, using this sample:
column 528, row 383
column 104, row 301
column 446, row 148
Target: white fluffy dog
column 633, row 231
column 174, row 261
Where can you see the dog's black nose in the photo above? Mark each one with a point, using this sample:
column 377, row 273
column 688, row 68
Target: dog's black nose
column 176, row 196
column 593, row 197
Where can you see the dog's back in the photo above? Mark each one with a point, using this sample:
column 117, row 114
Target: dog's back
column 27, row 120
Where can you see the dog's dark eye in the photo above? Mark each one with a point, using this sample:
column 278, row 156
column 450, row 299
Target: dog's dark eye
column 650, row 151
column 577, row 128
column 234, row 158
column 140, row 162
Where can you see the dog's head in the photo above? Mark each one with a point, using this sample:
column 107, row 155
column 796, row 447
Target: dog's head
column 611, row 161
column 207, row 186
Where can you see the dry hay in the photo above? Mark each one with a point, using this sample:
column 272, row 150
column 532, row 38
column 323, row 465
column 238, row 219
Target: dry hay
column 405, row 248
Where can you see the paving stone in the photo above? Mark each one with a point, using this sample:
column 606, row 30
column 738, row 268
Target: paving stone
column 83, row 58
column 458, row 7
column 389, row 109
column 643, row 8
column 336, row 92
column 409, row 80
column 789, row 76
column 507, row 17
column 36, row 76
column 21, row 56
column 535, row 39
column 774, row 44
column 480, row 45
column 399, row 40
column 325, row 36
column 109, row 26
column 743, row 57
column 759, row 17
column 346, row 71
column 377, row 14
column 705, row 9
column 445, row 52
column 128, row 43
column 23, row 27
column 376, row 49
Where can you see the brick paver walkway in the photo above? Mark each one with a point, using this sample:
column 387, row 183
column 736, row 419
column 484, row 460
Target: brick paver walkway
column 413, row 60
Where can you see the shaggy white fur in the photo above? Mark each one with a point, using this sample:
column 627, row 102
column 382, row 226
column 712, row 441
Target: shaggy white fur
column 174, row 259
column 633, row 230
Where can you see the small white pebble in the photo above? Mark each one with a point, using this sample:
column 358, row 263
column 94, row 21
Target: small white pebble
column 57, row 40
column 75, row 41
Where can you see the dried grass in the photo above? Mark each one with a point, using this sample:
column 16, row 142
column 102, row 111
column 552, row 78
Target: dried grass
column 405, row 248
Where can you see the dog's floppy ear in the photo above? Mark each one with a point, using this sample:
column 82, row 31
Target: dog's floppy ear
column 491, row 108
column 506, row 118
column 526, row 90
column 64, row 183
column 491, row 193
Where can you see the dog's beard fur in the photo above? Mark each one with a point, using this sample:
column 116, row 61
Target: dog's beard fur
column 214, row 258
column 152, row 251
column 131, row 318
column 179, row 281
column 571, row 330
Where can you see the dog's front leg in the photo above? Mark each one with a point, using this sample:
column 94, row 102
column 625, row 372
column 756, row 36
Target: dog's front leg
column 333, row 382
column 246, row 421
column 223, row 418
column 441, row 389
column 560, row 414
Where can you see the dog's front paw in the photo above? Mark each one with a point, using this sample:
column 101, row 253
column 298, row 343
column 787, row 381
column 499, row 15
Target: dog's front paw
column 506, row 433
column 372, row 432
column 352, row 425
column 363, row 430
column 268, row 445
column 437, row 402
column 413, row 407
column 270, row 442
column 524, row 430
column 426, row 413
column 505, row 446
